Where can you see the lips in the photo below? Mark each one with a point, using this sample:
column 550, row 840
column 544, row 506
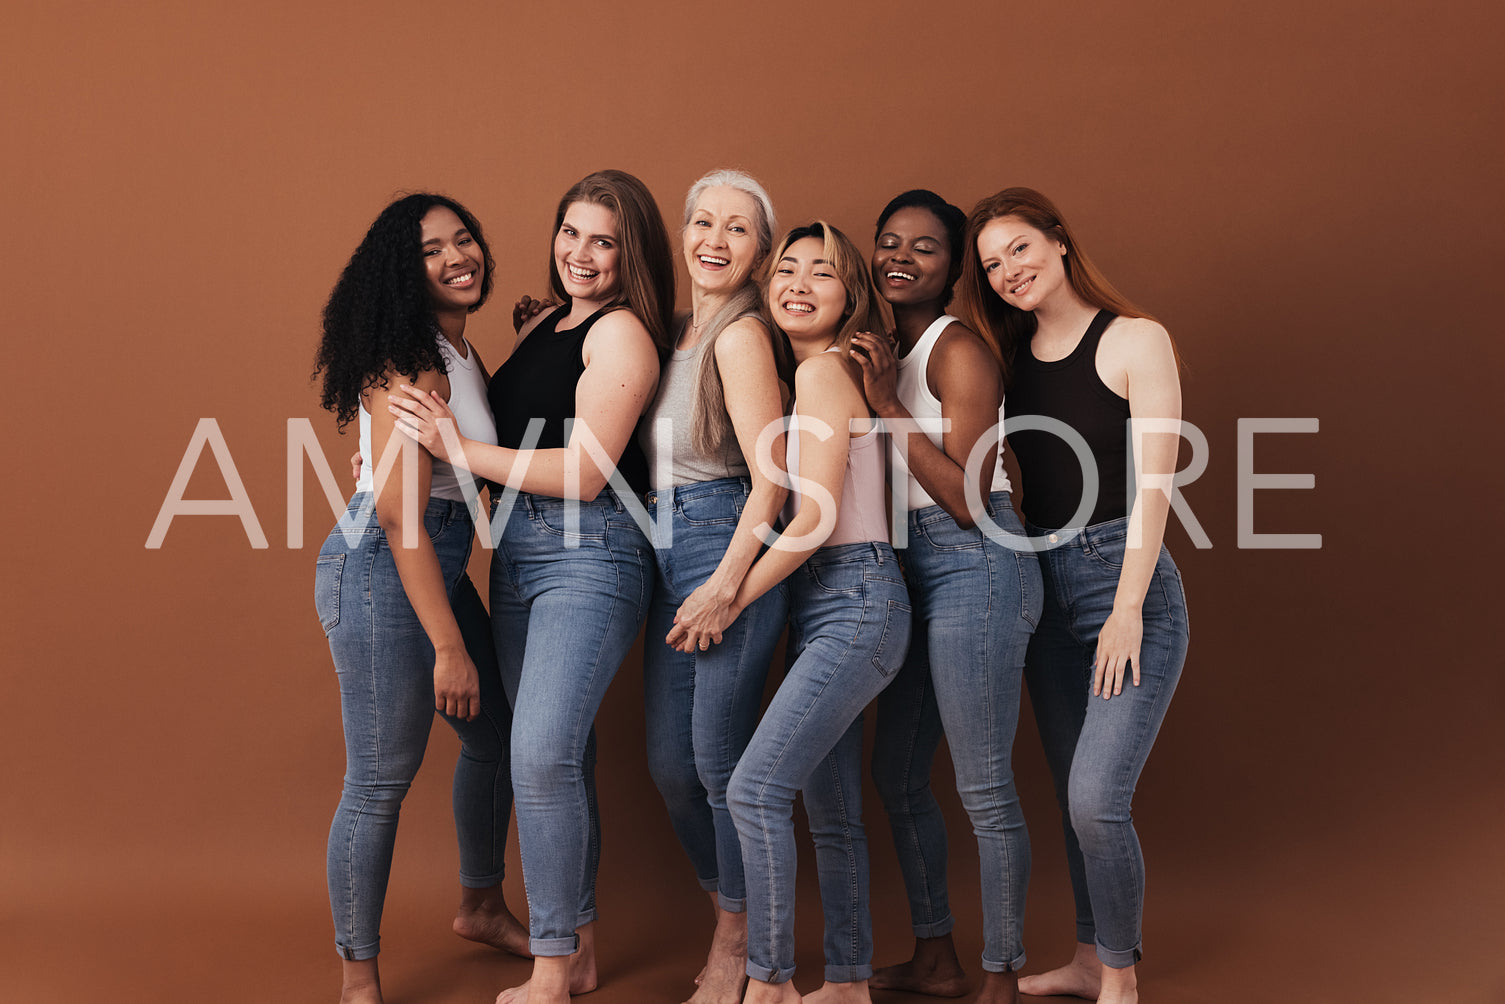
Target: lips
column 797, row 307
column 1019, row 289
column 580, row 274
column 462, row 281
column 711, row 261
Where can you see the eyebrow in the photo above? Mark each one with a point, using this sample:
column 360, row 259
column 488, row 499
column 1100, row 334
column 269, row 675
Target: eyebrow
column 595, row 237
column 922, row 237
column 795, row 261
column 439, row 240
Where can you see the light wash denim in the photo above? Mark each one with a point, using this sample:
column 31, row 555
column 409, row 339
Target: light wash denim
column 385, row 664
column 848, row 632
column 563, row 618
column 1096, row 748
column 976, row 604
column 702, row 708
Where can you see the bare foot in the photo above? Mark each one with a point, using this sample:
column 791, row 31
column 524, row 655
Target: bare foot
column 484, row 918
column 1119, row 986
column 999, row 988
column 759, row 992
column 557, row 978
column 725, row 972
column 935, row 970
column 854, row 992
column 1082, row 977
column 360, row 983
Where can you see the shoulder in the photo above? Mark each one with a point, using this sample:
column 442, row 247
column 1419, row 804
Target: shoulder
column 744, row 335
column 958, row 345
column 388, row 382
column 1135, row 335
column 829, row 376
column 621, row 337
column 532, row 323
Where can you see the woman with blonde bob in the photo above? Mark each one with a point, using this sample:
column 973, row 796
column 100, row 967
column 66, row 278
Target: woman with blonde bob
column 721, row 386
column 849, row 627
column 571, row 575
column 1085, row 363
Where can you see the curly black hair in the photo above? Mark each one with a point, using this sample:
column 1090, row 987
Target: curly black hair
column 380, row 316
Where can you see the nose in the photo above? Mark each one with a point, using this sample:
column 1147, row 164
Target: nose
column 452, row 255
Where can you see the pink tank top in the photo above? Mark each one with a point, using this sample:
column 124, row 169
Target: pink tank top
column 861, row 516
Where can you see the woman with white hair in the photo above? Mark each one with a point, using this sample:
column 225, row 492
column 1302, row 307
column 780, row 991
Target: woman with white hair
column 712, row 493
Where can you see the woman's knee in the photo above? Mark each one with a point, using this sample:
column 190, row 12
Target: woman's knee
column 1098, row 808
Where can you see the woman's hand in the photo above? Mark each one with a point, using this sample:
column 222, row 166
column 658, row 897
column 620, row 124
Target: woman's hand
column 457, row 686
column 1117, row 651
column 702, row 617
column 424, row 416
column 355, row 466
column 527, row 308
column 879, row 370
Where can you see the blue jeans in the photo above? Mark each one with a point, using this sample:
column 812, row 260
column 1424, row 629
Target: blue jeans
column 1096, row 748
column 849, row 628
column 976, row 605
column 385, row 664
column 566, row 605
column 702, row 708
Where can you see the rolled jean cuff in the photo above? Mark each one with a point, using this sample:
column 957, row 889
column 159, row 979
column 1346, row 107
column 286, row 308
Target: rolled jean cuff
column 989, row 966
column 360, row 953
column 939, row 929
column 764, row 974
column 554, row 947
column 1118, row 960
column 848, row 974
column 1086, row 933
column 586, row 917
column 709, row 884
column 731, row 905
column 481, row 881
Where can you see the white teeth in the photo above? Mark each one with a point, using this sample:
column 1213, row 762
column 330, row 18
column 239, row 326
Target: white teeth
column 901, row 275
column 714, row 261
column 459, row 279
column 799, row 308
column 1022, row 286
column 582, row 275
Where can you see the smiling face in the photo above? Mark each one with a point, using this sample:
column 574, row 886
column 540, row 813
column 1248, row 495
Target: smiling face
column 720, row 246
column 452, row 260
column 1023, row 265
column 805, row 297
column 586, row 252
column 912, row 260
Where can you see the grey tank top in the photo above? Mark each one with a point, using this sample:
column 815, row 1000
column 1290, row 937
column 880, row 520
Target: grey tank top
column 665, row 431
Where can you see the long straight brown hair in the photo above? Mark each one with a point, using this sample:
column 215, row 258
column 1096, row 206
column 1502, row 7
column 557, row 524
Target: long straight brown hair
column 646, row 263
column 1003, row 326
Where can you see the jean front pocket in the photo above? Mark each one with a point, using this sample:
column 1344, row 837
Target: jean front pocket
column 893, row 644
column 710, row 509
column 327, row 575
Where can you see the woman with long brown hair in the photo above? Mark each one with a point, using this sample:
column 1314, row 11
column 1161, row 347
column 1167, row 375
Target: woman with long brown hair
column 571, row 576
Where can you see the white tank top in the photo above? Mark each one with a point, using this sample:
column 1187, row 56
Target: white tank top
column 914, row 394
column 467, row 399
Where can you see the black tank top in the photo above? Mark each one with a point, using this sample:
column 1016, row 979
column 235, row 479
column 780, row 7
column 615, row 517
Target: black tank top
column 1070, row 391
column 538, row 381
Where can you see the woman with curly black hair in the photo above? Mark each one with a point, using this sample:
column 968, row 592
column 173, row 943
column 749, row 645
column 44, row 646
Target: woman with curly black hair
column 571, row 577
column 405, row 625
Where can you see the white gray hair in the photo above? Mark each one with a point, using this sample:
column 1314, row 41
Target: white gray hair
column 764, row 224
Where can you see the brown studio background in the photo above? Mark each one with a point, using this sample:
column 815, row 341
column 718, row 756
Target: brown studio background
column 1306, row 194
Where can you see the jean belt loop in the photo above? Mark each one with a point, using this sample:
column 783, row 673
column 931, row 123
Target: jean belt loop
column 877, row 551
